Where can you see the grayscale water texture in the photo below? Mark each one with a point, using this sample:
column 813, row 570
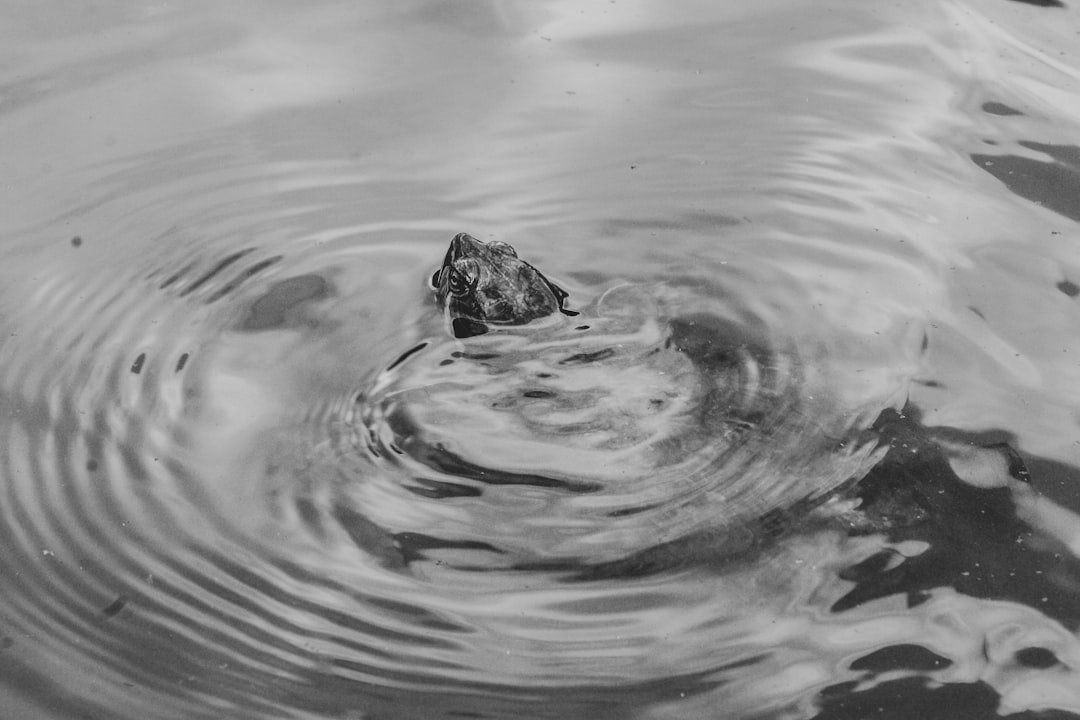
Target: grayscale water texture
column 246, row 472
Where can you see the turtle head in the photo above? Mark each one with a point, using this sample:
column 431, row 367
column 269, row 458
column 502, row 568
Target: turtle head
column 483, row 284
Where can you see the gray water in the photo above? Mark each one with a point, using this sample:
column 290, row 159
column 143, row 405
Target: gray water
column 219, row 220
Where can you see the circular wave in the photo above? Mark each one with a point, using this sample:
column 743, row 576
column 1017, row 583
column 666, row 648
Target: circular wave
column 266, row 481
column 656, row 419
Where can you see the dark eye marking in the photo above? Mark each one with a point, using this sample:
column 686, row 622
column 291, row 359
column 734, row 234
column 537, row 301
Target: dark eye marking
column 459, row 283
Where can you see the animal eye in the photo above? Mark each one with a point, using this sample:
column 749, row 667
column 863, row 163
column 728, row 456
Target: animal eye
column 505, row 248
column 458, row 283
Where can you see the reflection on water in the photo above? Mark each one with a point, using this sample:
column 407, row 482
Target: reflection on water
column 808, row 450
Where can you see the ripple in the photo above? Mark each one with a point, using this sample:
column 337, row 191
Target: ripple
column 246, row 473
column 199, row 504
column 648, row 432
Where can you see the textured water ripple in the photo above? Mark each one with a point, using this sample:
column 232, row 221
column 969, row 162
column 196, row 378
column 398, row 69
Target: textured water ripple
column 200, row 502
column 245, row 473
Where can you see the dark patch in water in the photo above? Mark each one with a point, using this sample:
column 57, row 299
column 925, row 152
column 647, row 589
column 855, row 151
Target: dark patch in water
column 976, row 543
column 416, row 614
column 309, row 515
column 1054, row 185
column 474, row 356
column 901, row 657
column 406, row 355
column 583, row 358
column 1069, row 288
column 996, row 108
column 868, row 568
column 414, row 546
column 539, row 394
column 1065, row 154
column 6, row 643
column 241, row 277
column 369, row 536
column 839, row 689
column 977, row 311
column 276, row 307
column 917, row 598
column 175, row 276
column 1037, row 657
column 214, row 271
column 92, row 465
column 713, row 343
column 1017, row 468
column 714, row 548
column 625, row 512
column 916, row 697
column 442, row 460
column 115, row 606
column 1058, row 481
column 440, row 490
column 137, row 366
column 1042, row 3
column 181, row 362
column 76, row 241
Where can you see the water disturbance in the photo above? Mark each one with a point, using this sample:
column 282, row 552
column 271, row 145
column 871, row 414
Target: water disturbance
column 799, row 440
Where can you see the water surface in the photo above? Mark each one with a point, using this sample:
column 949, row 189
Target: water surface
column 219, row 223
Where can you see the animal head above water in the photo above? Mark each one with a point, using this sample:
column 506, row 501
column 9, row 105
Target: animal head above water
column 482, row 284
